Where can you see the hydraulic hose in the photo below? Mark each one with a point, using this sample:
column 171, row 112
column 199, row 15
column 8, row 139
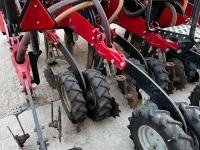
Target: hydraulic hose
column 185, row 4
column 60, row 5
column 134, row 14
column 101, row 12
column 73, row 9
column 141, row 11
column 173, row 11
column 119, row 8
column 104, row 21
column 20, row 57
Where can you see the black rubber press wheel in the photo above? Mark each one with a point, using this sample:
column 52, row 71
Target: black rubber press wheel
column 72, row 97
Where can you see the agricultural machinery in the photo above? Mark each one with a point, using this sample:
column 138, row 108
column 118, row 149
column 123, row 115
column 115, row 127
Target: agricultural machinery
column 158, row 124
column 176, row 56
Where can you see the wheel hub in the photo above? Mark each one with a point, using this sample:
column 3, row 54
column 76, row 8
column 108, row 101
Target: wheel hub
column 150, row 139
column 91, row 99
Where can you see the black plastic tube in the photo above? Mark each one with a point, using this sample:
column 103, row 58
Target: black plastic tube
column 148, row 17
column 134, row 14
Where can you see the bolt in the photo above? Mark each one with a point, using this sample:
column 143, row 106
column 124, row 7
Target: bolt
column 154, row 145
column 55, row 43
column 37, row 22
column 145, row 32
column 92, row 38
column 34, row 85
column 167, row 50
column 92, row 44
column 179, row 51
column 112, row 61
column 21, row 88
column 35, row 6
column 122, row 64
column 98, row 36
column 93, row 31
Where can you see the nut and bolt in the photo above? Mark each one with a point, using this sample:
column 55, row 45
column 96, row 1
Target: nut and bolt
column 122, row 64
column 179, row 51
column 34, row 85
column 21, row 88
column 167, row 50
column 98, row 36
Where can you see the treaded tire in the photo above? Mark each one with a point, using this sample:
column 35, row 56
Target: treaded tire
column 160, row 120
column 97, row 81
column 68, row 84
column 159, row 71
column 195, row 96
column 192, row 117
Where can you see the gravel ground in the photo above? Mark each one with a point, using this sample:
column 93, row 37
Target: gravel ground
column 109, row 134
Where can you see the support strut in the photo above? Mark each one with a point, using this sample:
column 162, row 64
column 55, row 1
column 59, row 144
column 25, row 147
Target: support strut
column 37, row 125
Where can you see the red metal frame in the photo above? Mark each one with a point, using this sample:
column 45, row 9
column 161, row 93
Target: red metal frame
column 166, row 18
column 94, row 37
column 136, row 25
column 188, row 10
column 22, row 70
column 2, row 27
column 36, row 17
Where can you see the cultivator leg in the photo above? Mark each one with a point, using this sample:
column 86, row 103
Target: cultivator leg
column 35, row 117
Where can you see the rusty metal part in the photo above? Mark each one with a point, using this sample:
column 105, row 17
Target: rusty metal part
column 177, row 74
column 128, row 88
column 56, row 123
column 50, row 77
column 111, row 78
column 42, row 100
column 20, row 139
column 131, row 93
column 182, row 78
column 59, row 124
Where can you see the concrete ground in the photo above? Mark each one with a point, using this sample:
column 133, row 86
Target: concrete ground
column 109, row 134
